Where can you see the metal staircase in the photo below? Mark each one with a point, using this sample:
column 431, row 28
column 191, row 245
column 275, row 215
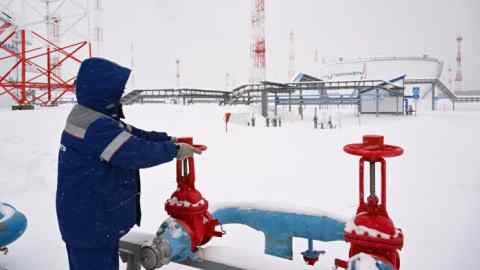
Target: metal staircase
column 437, row 84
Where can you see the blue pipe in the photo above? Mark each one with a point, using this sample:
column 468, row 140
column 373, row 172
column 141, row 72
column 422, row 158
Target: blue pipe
column 380, row 265
column 178, row 240
column 12, row 225
column 279, row 227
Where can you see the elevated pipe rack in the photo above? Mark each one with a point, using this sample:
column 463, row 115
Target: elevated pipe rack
column 295, row 93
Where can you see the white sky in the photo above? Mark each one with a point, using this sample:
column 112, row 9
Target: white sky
column 212, row 37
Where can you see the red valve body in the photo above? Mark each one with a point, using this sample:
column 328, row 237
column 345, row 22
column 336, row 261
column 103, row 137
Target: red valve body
column 372, row 231
column 188, row 206
column 310, row 261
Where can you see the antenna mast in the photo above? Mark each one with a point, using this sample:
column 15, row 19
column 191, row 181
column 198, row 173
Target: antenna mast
column 291, row 57
column 459, row 74
column 258, row 72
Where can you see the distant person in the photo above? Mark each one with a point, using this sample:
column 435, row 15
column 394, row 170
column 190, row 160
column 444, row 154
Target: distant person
column 98, row 191
column 330, row 122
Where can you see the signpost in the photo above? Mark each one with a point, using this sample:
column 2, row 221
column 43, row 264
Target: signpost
column 416, row 97
column 416, row 92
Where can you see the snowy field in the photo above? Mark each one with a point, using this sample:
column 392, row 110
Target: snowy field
column 433, row 188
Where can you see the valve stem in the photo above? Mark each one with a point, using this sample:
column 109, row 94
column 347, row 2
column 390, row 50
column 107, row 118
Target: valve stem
column 185, row 167
column 372, row 179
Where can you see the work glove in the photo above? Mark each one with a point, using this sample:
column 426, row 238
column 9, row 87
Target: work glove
column 185, row 150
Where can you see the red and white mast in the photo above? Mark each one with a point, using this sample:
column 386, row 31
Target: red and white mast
column 97, row 38
column 291, row 57
column 459, row 74
column 257, row 47
column 450, row 78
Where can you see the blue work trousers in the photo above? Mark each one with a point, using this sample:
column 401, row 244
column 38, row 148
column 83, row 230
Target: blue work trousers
column 105, row 258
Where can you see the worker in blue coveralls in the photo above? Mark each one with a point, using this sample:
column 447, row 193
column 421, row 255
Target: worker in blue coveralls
column 98, row 192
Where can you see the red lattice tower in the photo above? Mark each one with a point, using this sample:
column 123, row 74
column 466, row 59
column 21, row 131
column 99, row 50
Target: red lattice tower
column 257, row 48
column 459, row 74
column 291, row 57
column 37, row 80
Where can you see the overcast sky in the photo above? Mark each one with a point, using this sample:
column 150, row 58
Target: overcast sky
column 212, row 37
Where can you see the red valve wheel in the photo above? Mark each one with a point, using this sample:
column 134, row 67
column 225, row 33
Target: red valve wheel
column 373, row 147
column 200, row 147
column 189, row 140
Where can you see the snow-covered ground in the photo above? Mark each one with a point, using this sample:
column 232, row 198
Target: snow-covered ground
column 433, row 188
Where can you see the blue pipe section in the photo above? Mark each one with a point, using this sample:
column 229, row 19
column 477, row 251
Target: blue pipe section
column 353, row 264
column 178, row 239
column 12, row 227
column 280, row 227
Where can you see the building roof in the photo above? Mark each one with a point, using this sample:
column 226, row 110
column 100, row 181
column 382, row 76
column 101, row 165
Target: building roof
column 303, row 77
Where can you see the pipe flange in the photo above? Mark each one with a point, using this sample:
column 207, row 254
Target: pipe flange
column 156, row 254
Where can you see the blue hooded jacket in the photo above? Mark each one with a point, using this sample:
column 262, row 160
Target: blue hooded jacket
column 98, row 189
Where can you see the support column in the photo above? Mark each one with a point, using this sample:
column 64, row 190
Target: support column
column 433, row 97
column 264, row 102
column 301, row 96
column 49, row 75
column 289, row 101
column 359, row 104
column 276, row 99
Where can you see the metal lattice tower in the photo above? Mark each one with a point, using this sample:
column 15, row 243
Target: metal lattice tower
column 258, row 49
column 291, row 57
column 52, row 21
column 53, row 32
column 132, row 66
column 258, row 58
column 315, row 56
column 364, row 72
column 37, row 68
column 459, row 74
column 97, row 35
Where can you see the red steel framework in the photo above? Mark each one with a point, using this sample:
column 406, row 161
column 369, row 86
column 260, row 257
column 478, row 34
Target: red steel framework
column 258, row 47
column 51, row 86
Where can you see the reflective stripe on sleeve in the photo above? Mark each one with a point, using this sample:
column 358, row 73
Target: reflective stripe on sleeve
column 75, row 131
column 113, row 147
